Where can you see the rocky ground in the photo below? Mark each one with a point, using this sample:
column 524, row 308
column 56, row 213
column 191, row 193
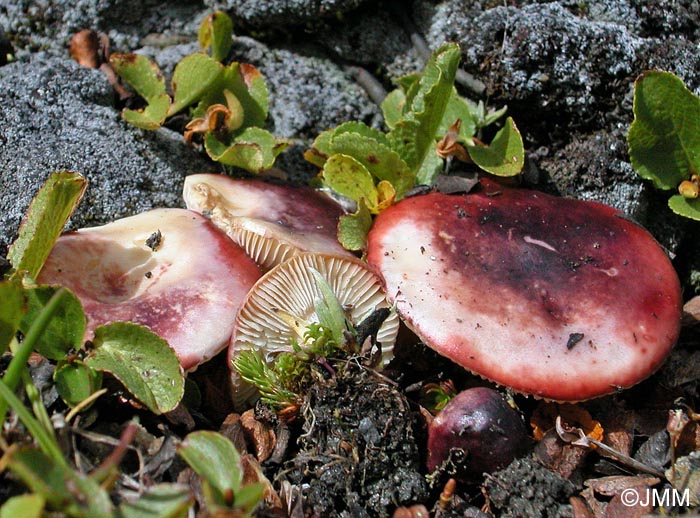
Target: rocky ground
column 565, row 69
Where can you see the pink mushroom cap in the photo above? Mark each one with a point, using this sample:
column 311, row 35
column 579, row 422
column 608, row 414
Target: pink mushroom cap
column 562, row 299
column 170, row 270
column 271, row 222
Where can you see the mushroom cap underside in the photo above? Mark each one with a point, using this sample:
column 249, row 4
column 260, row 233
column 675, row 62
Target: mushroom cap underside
column 291, row 289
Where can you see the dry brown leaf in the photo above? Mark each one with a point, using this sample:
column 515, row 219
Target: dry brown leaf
column 617, row 508
column 448, row 145
column 252, row 473
column 261, row 435
column 691, row 312
column 544, row 417
column 231, row 429
column 84, row 48
column 580, row 508
column 559, row 456
column 611, row 486
column 596, row 506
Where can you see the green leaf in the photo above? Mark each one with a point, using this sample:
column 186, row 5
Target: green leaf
column 505, row 156
column 142, row 361
column 392, row 107
column 12, row 310
column 458, row 108
column 254, row 149
column 216, row 460
column 23, row 506
column 76, row 381
column 322, row 147
column 248, row 84
column 687, row 207
column 349, row 177
column 64, row 331
column 192, row 77
column 418, row 130
column 62, row 488
column 329, row 309
column 215, row 33
column 664, row 138
column 159, row 501
column 142, row 74
column 152, row 116
column 377, row 158
column 44, row 221
column 353, row 228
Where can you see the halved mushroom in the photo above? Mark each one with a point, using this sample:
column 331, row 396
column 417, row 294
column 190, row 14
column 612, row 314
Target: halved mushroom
column 290, row 290
column 168, row 269
column 271, row 222
column 563, row 299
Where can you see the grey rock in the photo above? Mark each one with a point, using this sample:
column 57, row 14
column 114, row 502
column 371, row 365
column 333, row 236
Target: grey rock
column 265, row 13
column 543, row 61
column 47, row 25
column 56, row 115
column 377, row 37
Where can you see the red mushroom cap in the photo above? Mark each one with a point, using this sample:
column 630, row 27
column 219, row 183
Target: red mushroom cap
column 559, row 298
column 168, row 269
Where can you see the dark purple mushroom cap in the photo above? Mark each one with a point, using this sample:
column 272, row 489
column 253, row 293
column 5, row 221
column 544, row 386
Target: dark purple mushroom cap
column 271, row 222
column 563, row 299
column 168, row 269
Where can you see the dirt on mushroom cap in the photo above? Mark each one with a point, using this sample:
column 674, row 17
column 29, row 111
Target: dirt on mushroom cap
column 559, row 298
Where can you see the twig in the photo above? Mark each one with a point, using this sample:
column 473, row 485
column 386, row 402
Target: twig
column 368, row 82
column 462, row 78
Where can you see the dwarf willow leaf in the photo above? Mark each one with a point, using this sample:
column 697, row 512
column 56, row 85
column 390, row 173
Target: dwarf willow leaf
column 12, row 310
column 215, row 34
column 329, row 309
column 254, row 149
column 353, row 228
column 349, row 177
column 76, row 381
column 382, row 162
column 159, row 501
column 152, row 116
column 216, row 460
column 505, row 155
column 66, row 328
column 664, row 138
column 142, row 74
column 428, row 105
column 193, row 76
column 44, row 221
column 24, row 506
column 249, row 85
column 459, row 108
column 142, row 361
column 392, row 107
column 687, row 207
